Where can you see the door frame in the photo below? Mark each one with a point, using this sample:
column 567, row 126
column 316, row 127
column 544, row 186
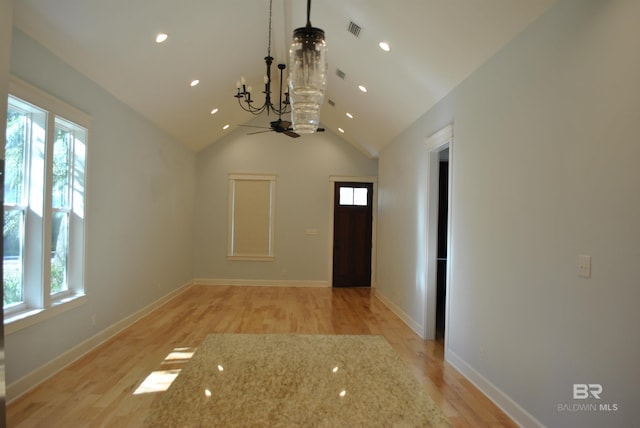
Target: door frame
column 435, row 144
column 333, row 179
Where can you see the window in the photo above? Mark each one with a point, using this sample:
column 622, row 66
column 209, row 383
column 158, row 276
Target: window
column 251, row 217
column 354, row 196
column 44, row 188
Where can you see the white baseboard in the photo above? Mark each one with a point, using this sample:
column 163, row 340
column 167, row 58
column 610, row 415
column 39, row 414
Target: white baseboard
column 519, row 415
column 410, row 322
column 36, row 377
column 261, row 282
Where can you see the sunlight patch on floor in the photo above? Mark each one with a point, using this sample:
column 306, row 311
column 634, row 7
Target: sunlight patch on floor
column 158, row 381
column 179, row 355
column 161, row 380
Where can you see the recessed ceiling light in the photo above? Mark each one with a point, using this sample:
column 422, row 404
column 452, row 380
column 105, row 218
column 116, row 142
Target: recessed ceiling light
column 362, row 88
column 226, row 127
column 341, row 130
column 384, row 46
column 194, row 82
column 349, row 115
column 161, row 37
column 214, row 111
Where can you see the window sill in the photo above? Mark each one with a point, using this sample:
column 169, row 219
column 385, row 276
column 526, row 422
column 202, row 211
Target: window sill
column 28, row 317
column 252, row 258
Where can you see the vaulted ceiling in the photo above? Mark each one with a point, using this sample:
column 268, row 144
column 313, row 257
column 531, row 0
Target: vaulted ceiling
column 435, row 44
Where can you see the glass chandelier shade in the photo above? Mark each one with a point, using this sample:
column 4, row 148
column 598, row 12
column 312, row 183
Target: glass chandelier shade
column 307, row 76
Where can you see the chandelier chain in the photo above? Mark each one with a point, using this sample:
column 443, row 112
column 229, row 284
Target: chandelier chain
column 269, row 47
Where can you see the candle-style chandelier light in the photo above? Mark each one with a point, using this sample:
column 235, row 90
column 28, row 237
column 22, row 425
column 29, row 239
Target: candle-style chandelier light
column 244, row 92
column 307, row 79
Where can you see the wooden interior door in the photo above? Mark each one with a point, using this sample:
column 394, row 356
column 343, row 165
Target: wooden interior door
column 352, row 233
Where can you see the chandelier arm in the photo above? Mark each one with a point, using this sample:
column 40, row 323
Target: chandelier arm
column 249, row 108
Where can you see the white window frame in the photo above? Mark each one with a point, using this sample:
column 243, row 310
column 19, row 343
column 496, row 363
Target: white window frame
column 39, row 304
column 232, row 252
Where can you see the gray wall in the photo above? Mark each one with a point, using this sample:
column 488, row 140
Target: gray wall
column 545, row 167
column 140, row 205
column 303, row 167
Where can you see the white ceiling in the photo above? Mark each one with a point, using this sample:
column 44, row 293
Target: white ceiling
column 435, row 44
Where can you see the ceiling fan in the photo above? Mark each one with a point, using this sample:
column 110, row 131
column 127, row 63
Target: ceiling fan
column 279, row 126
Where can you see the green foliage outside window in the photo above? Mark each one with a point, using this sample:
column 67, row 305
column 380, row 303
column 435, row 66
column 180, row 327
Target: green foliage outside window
column 14, row 184
column 15, row 195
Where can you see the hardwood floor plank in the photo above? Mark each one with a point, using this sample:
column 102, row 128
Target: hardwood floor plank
column 100, row 388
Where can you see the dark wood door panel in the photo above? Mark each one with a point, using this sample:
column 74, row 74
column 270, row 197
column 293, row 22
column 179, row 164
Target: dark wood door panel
column 352, row 239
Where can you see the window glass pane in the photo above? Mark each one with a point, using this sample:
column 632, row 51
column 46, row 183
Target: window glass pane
column 78, row 168
column 61, row 167
column 12, row 259
column 59, row 252
column 346, row 196
column 15, row 153
column 360, row 196
column 38, row 239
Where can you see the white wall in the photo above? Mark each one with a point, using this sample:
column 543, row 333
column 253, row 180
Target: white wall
column 140, row 206
column 545, row 167
column 303, row 167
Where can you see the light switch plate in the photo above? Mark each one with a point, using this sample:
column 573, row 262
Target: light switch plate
column 584, row 266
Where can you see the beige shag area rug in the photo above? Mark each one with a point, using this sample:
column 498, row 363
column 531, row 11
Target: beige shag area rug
column 290, row 380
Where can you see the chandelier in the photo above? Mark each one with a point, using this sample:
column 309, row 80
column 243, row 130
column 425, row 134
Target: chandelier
column 244, row 92
column 307, row 79
column 307, row 76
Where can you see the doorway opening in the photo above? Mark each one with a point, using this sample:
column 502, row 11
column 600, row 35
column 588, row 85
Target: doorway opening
column 438, row 263
column 352, row 234
column 441, row 253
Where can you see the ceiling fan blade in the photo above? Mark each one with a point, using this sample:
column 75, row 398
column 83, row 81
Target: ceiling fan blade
column 285, row 124
column 252, row 126
column 291, row 134
column 259, row 132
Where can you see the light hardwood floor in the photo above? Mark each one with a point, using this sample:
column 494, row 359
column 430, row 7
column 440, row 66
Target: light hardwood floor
column 98, row 390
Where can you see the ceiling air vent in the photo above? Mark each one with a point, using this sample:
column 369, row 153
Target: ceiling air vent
column 331, row 103
column 340, row 73
column 354, row 28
